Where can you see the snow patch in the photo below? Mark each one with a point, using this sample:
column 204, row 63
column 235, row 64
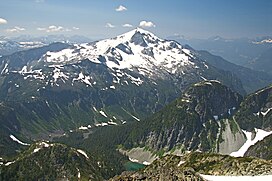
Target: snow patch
column 133, row 160
column 112, row 123
column 112, row 87
column 181, row 162
column 260, row 135
column 208, row 83
column 266, row 112
column 94, row 108
column 146, row 163
column 9, row 163
column 36, row 150
column 83, row 153
column 103, row 113
column 216, row 117
column 78, row 174
column 5, row 69
column 83, row 128
column 130, row 115
column 104, row 124
column 83, row 78
column 237, row 178
column 17, row 140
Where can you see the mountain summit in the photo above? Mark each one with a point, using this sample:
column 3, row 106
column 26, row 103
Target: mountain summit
column 137, row 48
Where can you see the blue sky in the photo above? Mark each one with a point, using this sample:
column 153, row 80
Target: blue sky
column 101, row 18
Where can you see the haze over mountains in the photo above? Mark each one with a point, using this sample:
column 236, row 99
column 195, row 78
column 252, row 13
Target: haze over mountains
column 248, row 52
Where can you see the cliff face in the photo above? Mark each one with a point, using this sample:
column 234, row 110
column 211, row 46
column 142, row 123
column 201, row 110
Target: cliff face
column 256, row 111
column 232, row 137
column 199, row 120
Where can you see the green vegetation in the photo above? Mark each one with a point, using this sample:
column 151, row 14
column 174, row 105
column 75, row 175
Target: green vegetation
column 249, row 115
column 52, row 162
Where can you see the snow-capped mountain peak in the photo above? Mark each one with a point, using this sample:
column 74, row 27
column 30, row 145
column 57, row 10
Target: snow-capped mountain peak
column 137, row 48
column 128, row 58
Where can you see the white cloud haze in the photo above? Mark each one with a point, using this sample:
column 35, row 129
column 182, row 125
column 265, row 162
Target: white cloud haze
column 127, row 25
column 121, row 8
column 3, row 21
column 51, row 28
column 16, row 29
column 109, row 25
column 147, row 24
column 39, row 1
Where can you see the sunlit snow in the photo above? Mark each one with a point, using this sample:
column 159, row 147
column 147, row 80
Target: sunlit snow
column 237, row 178
column 17, row 140
column 83, row 153
column 260, row 135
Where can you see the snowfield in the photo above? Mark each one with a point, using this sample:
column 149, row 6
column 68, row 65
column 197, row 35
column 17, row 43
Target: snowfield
column 260, row 135
column 238, row 178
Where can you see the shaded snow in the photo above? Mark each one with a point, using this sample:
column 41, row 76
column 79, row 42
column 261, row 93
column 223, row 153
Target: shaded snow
column 135, row 118
column 215, row 117
column 133, row 160
column 131, row 115
column 9, row 163
column 266, row 112
column 5, row 70
column 260, row 135
column 237, row 178
column 17, row 140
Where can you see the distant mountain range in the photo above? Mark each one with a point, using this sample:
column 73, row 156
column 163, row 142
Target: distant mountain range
column 9, row 45
column 251, row 53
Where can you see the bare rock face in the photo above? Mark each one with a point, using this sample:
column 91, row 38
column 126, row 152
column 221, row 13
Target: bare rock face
column 233, row 138
column 167, row 168
column 189, row 167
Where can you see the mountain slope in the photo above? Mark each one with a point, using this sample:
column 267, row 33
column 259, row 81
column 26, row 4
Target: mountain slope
column 263, row 62
column 58, row 88
column 251, row 80
column 199, row 120
column 255, row 111
column 242, row 51
column 262, row 149
column 46, row 161
column 191, row 166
